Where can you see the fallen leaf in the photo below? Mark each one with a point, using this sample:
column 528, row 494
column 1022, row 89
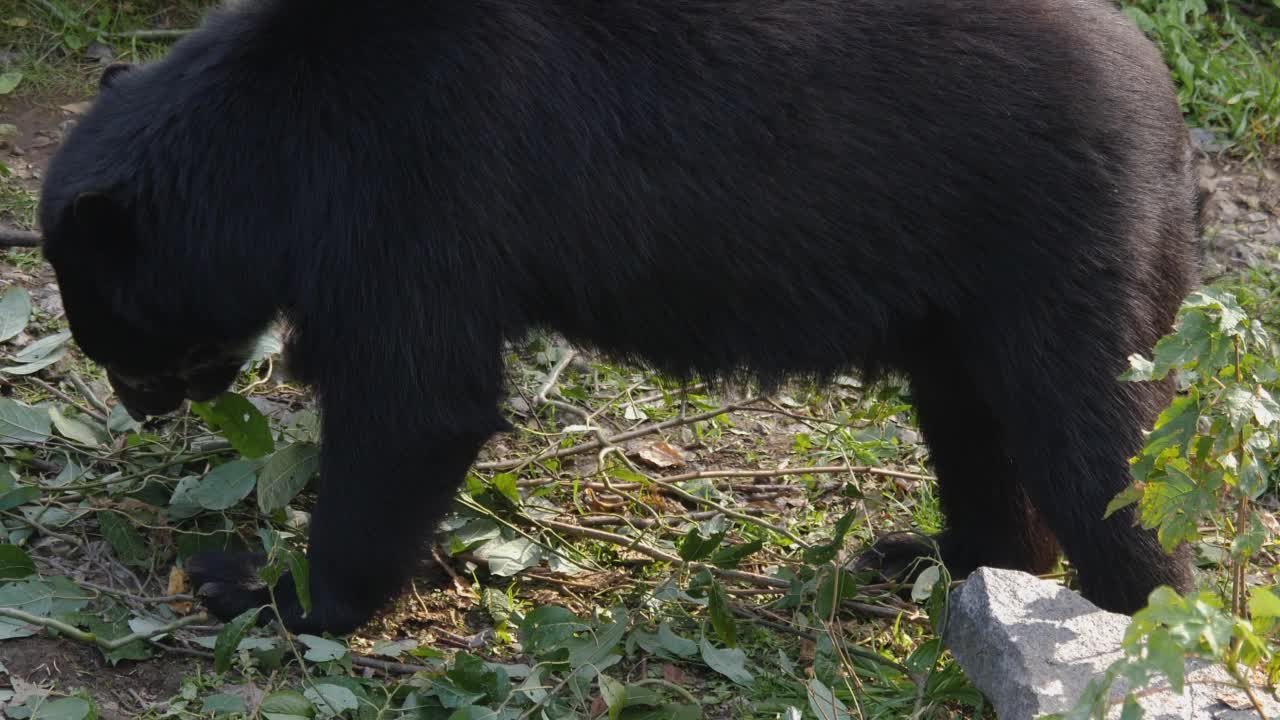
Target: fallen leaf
column 662, row 455
column 178, row 586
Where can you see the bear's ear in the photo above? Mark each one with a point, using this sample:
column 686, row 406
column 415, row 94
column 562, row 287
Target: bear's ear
column 98, row 215
column 113, row 73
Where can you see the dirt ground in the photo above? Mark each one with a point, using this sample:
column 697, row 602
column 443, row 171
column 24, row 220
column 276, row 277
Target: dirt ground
column 1243, row 230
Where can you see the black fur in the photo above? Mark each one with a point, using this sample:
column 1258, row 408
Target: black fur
column 991, row 196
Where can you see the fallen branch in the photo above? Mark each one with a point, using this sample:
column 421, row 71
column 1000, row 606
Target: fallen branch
column 87, row 637
column 18, row 238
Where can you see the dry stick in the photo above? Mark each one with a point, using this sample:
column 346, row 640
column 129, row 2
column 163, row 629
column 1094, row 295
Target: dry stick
column 88, row 637
column 613, row 439
column 49, row 387
column 18, row 238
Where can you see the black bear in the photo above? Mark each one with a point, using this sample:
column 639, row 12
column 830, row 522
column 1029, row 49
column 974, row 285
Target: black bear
column 994, row 198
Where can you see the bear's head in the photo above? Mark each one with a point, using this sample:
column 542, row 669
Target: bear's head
column 127, row 300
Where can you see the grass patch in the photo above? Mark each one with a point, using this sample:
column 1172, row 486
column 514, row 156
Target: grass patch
column 57, row 48
column 1225, row 58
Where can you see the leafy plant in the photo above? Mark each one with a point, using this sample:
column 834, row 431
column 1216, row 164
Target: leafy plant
column 1209, row 460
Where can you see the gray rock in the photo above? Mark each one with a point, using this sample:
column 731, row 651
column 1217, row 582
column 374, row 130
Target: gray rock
column 1032, row 646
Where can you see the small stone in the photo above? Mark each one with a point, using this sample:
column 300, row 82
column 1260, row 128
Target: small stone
column 17, row 151
column 99, row 53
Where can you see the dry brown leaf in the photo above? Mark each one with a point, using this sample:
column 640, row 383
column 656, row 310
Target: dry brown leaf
column 662, row 455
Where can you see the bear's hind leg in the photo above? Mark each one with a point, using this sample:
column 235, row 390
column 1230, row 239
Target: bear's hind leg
column 989, row 519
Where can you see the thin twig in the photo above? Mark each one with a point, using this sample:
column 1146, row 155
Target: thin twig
column 147, row 600
column 552, row 377
column 83, row 388
column 778, row 472
column 71, row 539
column 158, row 34
column 50, row 388
column 807, row 634
column 357, row 660
column 612, row 439
column 656, row 554
column 18, row 238
column 639, row 522
column 731, row 574
column 87, row 637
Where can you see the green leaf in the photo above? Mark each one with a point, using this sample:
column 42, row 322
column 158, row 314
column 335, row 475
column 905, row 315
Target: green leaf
column 598, row 649
column 43, row 352
column 19, row 496
column 837, row 586
column 286, row 703
column 113, row 626
column 730, row 555
column 505, row 484
column 15, row 563
column 9, row 81
column 675, row 644
column 330, row 700
column 731, row 663
column 68, row 708
column 223, row 704
column 721, row 616
column 925, row 582
column 613, row 694
column 124, row 539
column 226, row 485
column 393, row 648
column 1238, row 403
column 235, row 418
column 1166, row 655
column 15, row 312
column 286, row 473
column 1132, row 710
column 820, row 554
column 300, row 571
column 1140, row 369
column 548, row 628
column 321, row 650
column 1263, row 603
column 21, row 424
column 825, row 704
column 229, row 639
column 79, row 430
column 474, row 712
column 1124, row 499
column 700, row 542
column 1252, row 480
column 510, row 557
